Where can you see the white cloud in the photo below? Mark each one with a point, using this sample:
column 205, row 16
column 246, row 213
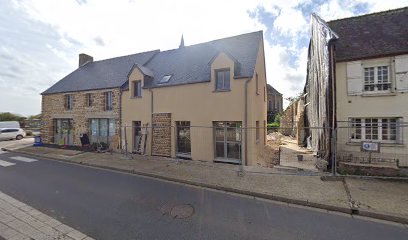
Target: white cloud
column 104, row 29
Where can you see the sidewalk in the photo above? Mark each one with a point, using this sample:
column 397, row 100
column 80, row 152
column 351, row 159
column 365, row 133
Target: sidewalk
column 387, row 200
column 19, row 221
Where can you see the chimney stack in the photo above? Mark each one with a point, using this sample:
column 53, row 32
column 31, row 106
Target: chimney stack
column 84, row 58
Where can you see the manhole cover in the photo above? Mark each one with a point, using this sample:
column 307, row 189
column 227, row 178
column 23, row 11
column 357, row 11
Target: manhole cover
column 182, row 211
column 165, row 209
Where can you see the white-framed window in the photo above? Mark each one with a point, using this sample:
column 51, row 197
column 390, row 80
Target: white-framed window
column 387, row 130
column 69, row 99
column 108, row 101
column 222, row 79
column 88, row 99
column 137, row 88
column 102, row 129
column 377, row 79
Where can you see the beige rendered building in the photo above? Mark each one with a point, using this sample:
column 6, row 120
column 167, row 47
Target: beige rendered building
column 201, row 102
column 204, row 101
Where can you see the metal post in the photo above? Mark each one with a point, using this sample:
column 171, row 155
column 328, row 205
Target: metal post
column 175, row 144
column 241, row 167
column 126, row 150
column 334, row 163
column 126, row 144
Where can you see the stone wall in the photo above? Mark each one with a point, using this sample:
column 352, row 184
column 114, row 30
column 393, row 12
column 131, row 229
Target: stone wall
column 288, row 120
column 161, row 134
column 292, row 121
column 53, row 107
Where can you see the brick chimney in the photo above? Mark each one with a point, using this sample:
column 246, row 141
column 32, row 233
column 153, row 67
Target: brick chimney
column 84, row 58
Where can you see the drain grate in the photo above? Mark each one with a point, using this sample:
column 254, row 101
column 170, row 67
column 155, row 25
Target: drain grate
column 179, row 211
column 182, row 211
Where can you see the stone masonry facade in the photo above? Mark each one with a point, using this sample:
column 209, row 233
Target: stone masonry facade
column 53, row 107
column 292, row 121
column 161, row 144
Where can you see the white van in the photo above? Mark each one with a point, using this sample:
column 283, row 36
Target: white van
column 9, row 124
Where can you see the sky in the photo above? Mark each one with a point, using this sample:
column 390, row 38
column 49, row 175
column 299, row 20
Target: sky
column 40, row 40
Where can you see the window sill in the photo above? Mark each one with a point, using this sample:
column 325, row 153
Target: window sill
column 222, row 90
column 227, row 160
column 183, row 155
column 136, row 97
column 378, row 94
column 398, row 145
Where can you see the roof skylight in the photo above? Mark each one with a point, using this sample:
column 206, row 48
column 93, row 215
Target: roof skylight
column 165, row 79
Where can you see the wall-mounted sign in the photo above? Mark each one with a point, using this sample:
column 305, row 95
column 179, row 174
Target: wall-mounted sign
column 370, row 146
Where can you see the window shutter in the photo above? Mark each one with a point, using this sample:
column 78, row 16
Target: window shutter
column 401, row 73
column 354, row 78
column 400, row 131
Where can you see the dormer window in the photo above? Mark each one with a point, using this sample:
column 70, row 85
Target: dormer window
column 137, row 88
column 165, row 79
column 222, row 79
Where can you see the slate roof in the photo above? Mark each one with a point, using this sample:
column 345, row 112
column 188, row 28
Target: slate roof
column 272, row 90
column 109, row 73
column 191, row 64
column 371, row 35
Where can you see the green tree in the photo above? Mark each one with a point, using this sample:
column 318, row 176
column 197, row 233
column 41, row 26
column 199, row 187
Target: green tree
column 295, row 98
column 278, row 118
column 38, row 116
column 7, row 116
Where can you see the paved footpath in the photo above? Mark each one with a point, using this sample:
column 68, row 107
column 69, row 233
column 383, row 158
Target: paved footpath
column 387, row 200
column 19, row 221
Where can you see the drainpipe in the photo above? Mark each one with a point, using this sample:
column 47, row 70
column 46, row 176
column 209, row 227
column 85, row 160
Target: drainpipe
column 120, row 118
column 151, row 120
column 332, row 51
column 246, row 121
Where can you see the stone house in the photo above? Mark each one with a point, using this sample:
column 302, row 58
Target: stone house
column 274, row 103
column 87, row 100
column 201, row 102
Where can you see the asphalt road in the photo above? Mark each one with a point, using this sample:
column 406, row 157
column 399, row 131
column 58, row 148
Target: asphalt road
column 111, row 205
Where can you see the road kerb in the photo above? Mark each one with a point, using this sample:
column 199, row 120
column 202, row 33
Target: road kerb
column 307, row 203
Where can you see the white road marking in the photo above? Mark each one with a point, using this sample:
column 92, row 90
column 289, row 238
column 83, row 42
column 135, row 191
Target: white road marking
column 23, row 159
column 6, row 164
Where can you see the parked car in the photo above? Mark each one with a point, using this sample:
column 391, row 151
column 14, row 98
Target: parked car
column 12, row 133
